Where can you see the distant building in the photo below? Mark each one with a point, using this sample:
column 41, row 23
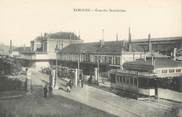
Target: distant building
column 164, row 45
column 19, row 51
column 52, row 41
column 44, row 48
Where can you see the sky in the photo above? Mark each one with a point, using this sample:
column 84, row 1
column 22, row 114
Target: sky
column 22, row 20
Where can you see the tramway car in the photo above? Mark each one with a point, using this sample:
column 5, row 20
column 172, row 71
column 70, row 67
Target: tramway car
column 134, row 82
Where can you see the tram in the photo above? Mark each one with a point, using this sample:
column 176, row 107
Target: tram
column 134, row 82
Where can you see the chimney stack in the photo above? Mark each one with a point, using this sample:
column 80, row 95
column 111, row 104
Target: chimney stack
column 129, row 41
column 24, row 47
column 101, row 43
column 102, row 34
column 149, row 43
column 102, row 40
column 79, row 34
column 10, row 47
column 117, row 37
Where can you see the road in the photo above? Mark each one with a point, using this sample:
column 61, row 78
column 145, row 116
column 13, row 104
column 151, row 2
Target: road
column 35, row 105
column 114, row 104
column 81, row 102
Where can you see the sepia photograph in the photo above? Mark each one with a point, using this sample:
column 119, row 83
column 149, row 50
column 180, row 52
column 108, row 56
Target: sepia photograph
column 91, row 58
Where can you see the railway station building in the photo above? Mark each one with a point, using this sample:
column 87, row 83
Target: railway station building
column 106, row 55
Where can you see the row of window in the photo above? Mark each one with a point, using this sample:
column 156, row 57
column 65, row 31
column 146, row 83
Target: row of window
column 107, row 59
column 171, row 71
column 126, row 80
column 87, row 58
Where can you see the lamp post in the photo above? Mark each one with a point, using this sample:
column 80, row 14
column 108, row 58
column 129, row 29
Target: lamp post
column 79, row 60
column 98, row 69
column 56, row 74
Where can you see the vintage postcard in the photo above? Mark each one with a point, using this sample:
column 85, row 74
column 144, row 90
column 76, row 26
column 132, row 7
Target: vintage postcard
column 91, row 58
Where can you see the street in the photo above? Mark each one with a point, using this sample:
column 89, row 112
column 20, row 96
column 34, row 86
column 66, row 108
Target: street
column 86, row 101
column 35, row 105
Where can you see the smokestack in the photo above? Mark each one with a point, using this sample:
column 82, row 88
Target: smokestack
column 116, row 36
column 129, row 40
column 102, row 34
column 79, row 34
column 10, row 47
column 24, row 47
column 45, row 34
column 101, row 43
column 70, row 36
column 102, row 40
column 149, row 43
column 174, row 54
column 129, row 35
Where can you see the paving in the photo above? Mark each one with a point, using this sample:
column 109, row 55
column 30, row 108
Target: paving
column 36, row 105
column 98, row 103
column 114, row 104
column 111, row 103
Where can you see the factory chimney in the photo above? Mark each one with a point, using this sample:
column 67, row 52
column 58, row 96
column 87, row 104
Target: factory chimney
column 149, row 43
column 10, row 47
column 79, row 34
column 117, row 37
column 102, row 40
column 129, row 40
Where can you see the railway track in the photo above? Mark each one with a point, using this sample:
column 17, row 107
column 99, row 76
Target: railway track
column 153, row 102
column 127, row 103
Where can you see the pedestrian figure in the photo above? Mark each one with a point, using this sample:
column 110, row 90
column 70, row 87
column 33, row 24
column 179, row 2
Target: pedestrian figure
column 90, row 79
column 82, row 82
column 50, row 90
column 68, row 88
column 70, row 83
column 28, row 81
column 45, row 91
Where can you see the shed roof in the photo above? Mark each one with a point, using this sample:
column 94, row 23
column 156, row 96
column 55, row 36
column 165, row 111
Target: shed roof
column 142, row 65
column 108, row 47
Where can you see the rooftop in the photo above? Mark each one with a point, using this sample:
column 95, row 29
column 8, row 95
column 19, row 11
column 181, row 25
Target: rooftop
column 22, row 49
column 108, row 47
column 57, row 35
column 142, row 65
column 62, row 35
column 158, row 39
